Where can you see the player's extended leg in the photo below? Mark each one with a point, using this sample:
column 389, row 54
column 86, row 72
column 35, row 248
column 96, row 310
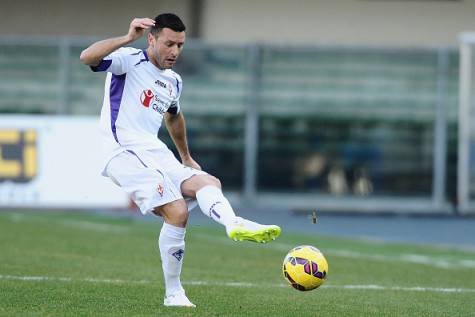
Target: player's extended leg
column 172, row 249
column 207, row 191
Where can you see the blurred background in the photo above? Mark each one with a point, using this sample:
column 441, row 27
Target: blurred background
column 338, row 106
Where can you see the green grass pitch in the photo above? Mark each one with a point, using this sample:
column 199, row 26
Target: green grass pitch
column 83, row 264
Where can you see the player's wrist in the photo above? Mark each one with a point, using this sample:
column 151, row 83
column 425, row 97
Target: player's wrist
column 128, row 38
column 185, row 157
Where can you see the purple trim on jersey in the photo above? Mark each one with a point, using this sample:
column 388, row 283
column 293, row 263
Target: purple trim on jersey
column 177, row 87
column 103, row 65
column 143, row 59
column 145, row 54
column 136, row 53
column 115, row 98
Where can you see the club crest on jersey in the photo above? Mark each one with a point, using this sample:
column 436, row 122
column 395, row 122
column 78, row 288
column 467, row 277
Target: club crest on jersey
column 160, row 189
column 170, row 90
column 146, row 97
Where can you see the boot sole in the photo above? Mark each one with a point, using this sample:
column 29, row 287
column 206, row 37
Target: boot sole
column 259, row 236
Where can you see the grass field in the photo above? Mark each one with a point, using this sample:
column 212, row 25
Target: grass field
column 82, row 264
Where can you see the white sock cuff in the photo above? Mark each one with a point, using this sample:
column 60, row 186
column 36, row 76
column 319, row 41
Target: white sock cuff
column 208, row 190
column 173, row 231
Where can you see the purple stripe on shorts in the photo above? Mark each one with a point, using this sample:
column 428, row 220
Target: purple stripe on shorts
column 145, row 165
column 115, row 98
column 103, row 65
column 130, row 151
column 160, row 173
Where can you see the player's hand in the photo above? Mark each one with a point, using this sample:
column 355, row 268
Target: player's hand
column 138, row 26
column 191, row 163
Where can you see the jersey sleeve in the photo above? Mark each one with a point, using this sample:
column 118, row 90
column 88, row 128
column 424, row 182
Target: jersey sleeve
column 119, row 62
column 175, row 106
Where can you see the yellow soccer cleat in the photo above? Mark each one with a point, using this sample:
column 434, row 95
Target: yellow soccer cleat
column 243, row 229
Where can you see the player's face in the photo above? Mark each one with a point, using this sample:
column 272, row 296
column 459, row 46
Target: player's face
column 166, row 47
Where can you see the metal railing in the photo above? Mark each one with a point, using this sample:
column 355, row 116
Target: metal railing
column 333, row 128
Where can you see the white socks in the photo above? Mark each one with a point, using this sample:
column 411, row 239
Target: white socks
column 172, row 249
column 172, row 239
column 213, row 204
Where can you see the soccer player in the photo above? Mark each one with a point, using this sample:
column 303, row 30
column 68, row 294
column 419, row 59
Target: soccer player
column 140, row 91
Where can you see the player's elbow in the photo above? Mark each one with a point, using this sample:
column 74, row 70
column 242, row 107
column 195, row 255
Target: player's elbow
column 84, row 57
column 87, row 59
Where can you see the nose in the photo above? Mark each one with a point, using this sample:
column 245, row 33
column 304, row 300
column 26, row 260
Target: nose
column 175, row 51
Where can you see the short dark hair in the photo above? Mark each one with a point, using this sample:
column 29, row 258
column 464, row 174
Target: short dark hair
column 167, row 20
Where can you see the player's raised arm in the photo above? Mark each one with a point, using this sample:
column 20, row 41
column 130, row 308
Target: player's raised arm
column 94, row 54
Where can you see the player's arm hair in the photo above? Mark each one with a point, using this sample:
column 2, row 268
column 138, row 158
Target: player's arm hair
column 94, row 54
column 176, row 127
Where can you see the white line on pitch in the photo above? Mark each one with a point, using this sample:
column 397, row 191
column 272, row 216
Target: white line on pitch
column 77, row 224
column 236, row 284
column 428, row 260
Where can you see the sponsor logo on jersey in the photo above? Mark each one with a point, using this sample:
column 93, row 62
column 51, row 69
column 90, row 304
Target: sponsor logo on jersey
column 178, row 254
column 165, row 85
column 146, row 97
column 161, row 83
column 160, row 107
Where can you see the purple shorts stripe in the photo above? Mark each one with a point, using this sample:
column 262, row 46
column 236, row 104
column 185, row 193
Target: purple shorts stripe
column 115, row 98
column 103, row 65
column 145, row 165
column 132, row 152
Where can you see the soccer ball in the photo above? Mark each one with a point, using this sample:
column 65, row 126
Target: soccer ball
column 305, row 268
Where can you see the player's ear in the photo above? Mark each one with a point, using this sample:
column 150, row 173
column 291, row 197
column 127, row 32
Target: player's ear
column 151, row 39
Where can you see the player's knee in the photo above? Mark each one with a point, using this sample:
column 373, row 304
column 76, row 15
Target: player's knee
column 209, row 180
column 214, row 181
column 195, row 183
column 180, row 216
column 175, row 213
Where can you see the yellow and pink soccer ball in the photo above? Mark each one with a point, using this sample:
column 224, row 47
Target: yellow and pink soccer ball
column 305, row 268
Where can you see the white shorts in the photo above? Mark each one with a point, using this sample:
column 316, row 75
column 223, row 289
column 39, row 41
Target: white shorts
column 152, row 178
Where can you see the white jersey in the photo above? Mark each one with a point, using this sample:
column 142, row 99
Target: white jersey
column 136, row 96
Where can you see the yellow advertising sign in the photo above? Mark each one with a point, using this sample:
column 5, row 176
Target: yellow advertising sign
column 18, row 155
